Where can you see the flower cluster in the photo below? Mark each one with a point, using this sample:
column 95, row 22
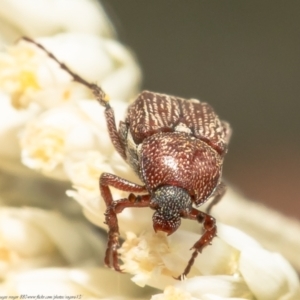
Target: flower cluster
column 54, row 140
column 235, row 263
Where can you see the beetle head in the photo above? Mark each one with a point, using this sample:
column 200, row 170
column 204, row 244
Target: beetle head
column 169, row 203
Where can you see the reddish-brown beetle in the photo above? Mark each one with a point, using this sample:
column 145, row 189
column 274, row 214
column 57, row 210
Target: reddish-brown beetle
column 176, row 147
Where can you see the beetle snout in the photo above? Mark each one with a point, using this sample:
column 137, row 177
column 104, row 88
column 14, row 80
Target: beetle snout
column 160, row 223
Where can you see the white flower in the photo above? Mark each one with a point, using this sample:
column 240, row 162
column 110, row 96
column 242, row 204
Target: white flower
column 40, row 18
column 36, row 83
column 28, row 75
column 59, row 139
column 31, row 238
column 272, row 229
column 47, row 140
column 33, row 81
column 26, row 71
column 96, row 59
column 11, row 122
column 74, row 283
column 234, row 265
column 172, row 293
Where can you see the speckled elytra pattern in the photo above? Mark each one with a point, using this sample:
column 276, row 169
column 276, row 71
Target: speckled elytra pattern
column 153, row 112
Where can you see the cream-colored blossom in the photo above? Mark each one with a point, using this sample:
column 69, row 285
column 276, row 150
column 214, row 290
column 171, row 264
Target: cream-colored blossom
column 34, row 238
column 152, row 254
column 28, row 75
column 33, row 81
column 58, row 140
column 11, row 122
column 40, row 18
column 234, row 265
column 172, row 293
column 36, row 83
column 25, row 76
column 55, row 134
column 85, row 283
column 96, row 59
column 272, row 229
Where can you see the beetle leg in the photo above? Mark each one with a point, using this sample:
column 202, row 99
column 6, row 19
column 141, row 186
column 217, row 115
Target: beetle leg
column 115, row 207
column 101, row 97
column 112, row 221
column 218, row 195
column 210, row 231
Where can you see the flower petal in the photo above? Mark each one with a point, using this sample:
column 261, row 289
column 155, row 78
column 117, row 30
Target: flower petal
column 269, row 275
column 152, row 257
column 52, row 17
column 221, row 285
column 172, row 293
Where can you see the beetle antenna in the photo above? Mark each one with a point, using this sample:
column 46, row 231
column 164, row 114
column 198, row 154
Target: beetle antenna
column 102, row 98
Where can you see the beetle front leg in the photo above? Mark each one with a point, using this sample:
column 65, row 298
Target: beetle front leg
column 210, row 231
column 115, row 207
column 112, row 221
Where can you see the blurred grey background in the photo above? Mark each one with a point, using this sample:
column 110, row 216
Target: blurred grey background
column 243, row 58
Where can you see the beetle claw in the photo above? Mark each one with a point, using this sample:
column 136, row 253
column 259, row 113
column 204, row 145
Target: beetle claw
column 181, row 277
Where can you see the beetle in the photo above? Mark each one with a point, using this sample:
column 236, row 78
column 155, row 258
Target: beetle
column 176, row 147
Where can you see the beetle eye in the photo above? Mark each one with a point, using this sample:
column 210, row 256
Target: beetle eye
column 168, row 225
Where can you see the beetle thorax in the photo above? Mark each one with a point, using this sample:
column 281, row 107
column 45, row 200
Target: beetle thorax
column 170, row 202
column 179, row 159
